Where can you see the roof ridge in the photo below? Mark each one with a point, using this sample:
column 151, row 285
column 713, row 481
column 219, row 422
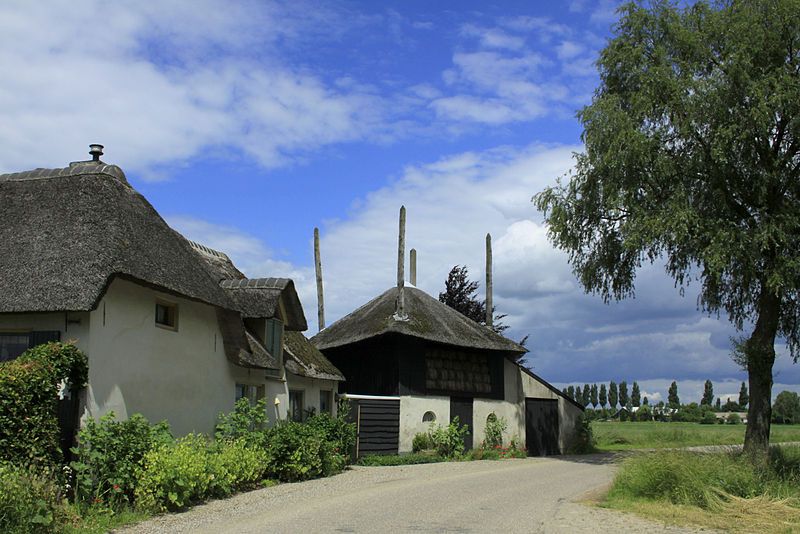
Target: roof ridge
column 208, row 251
column 255, row 283
column 78, row 168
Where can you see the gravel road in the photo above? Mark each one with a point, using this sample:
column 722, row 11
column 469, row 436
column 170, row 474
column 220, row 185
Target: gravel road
column 527, row 495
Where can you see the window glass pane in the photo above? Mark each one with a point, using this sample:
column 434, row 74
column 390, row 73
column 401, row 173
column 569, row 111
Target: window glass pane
column 324, row 402
column 12, row 345
column 296, row 405
column 274, row 342
column 166, row 314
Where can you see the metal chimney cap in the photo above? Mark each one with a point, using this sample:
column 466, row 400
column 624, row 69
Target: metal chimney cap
column 95, row 150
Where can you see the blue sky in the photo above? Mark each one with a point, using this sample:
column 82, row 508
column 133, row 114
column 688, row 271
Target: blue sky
column 247, row 124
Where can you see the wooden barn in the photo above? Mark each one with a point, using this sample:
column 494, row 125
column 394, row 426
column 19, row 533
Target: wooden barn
column 410, row 360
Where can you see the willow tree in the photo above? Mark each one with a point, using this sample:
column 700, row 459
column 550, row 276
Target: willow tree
column 691, row 158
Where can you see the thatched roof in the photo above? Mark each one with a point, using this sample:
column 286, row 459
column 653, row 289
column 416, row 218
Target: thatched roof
column 67, row 232
column 261, row 297
column 304, row 359
column 428, row 319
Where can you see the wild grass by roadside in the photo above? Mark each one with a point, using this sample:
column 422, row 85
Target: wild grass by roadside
column 618, row 436
column 377, row 460
column 717, row 490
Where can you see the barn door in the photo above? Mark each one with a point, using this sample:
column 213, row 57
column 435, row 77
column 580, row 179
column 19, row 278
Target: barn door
column 541, row 427
column 462, row 408
column 377, row 426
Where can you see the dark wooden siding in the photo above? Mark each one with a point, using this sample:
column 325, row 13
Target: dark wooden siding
column 370, row 367
column 378, row 424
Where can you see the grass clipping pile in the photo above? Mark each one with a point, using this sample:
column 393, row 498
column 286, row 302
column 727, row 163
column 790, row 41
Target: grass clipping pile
column 723, row 490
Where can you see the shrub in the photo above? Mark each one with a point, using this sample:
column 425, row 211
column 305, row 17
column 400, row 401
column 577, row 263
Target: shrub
column 708, row 419
column 421, row 442
column 294, row 451
column 109, row 455
column 175, row 475
column 449, row 441
column 337, row 432
column 30, row 501
column 483, row 453
column 29, row 401
column 494, row 431
column 402, row 459
column 733, row 419
column 236, row 465
column 583, row 441
column 246, row 421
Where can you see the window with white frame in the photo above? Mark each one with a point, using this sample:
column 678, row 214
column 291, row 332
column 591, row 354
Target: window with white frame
column 274, row 337
column 167, row 315
column 296, row 405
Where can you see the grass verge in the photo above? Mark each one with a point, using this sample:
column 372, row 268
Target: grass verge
column 723, row 491
column 618, row 436
column 374, row 460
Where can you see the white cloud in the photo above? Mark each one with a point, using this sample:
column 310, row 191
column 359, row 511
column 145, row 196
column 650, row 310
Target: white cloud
column 163, row 83
column 493, row 37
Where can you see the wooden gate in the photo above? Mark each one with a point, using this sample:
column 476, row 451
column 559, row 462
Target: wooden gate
column 377, row 424
column 461, row 407
column 541, row 427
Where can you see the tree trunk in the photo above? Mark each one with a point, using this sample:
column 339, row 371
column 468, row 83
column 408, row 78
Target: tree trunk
column 760, row 351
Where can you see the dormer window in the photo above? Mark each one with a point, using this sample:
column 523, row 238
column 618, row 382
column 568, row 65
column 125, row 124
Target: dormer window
column 166, row 315
column 274, row 337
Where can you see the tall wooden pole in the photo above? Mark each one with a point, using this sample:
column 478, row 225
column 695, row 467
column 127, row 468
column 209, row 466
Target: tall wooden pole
column 489, row 305
column 318, row 266
column 413, row 261
column 400, row 313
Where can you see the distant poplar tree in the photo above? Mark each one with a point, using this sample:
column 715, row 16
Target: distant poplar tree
column 613, row 396
column 744, row 398
column 708, row 394
column 636, row 395
column 673, row 401
column 719, row 404
column 623, row 393
column 645, row 402
column 593, row 393
column 564, row 391
column 587, row 394
column 602, row 397
column 571, row 392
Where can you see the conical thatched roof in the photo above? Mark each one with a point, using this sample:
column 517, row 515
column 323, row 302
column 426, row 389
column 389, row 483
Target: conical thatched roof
column 428, row 319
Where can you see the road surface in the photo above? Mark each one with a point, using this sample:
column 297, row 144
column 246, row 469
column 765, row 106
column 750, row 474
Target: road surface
column 529, row 495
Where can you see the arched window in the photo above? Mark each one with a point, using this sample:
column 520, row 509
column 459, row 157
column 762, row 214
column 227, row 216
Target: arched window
column 429, row 417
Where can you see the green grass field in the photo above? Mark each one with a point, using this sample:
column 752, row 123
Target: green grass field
column 617, row 436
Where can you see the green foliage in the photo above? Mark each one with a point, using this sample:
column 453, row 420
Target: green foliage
column 636, row 396
column 583, row 441
column 786, row 409
column 673, row 401
column 175, row 475
column 708, row 418
column 448, row 441
column 733, row 419
column 29, row 401
column 691, row 156
column 402, row 459
column 109, row 455
column 613, row 395
column 421, row 442
column 295, row 452
column 696, row 479
column 246, row 421
column 459, row 294
column 744, row 398
column 30, row 501
column 494, row 431
column 336, row 431
column 237, row 465
column 708, row 394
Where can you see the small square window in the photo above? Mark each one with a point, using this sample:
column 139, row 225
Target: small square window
column 167, row 315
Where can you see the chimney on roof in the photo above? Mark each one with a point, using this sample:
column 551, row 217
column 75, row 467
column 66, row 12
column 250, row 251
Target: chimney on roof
column 400, row 312
column 489, row 305
column 318, row 266
column 95, row 150
column 413, row 266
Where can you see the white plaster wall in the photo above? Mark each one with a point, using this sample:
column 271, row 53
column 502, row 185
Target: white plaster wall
column 520, row 385
column 311, row 388
column 412, row 408
column 62, row 321
column 135, row 366
column 514, row 414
